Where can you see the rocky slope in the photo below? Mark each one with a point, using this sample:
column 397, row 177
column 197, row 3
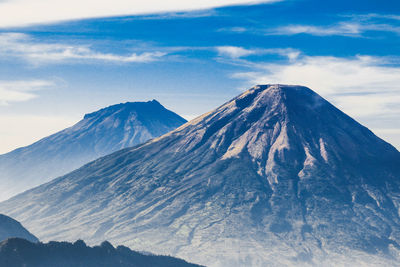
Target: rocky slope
column 17, row 252
column 11, row 228
column 98, row 134
column 277, row 176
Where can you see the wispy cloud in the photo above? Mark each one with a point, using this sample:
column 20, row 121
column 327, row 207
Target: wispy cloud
column 234, row 29
column 236, row 52
column 20, row 91
column 351, row 29
column 344, row 29
column 370, row 16
column 176, row 15
column 24, row 46
column 355, row 25
column 372, row 81
column 25, row 12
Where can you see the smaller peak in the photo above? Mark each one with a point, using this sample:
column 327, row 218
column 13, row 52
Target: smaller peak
column 154, row 102
column 79, row 243
column 127, row 105
column 107, row 245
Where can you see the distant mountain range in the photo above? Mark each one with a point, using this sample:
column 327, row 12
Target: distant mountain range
column 16, row 252
column 277, row 176
column 11, row 228
column 98, row 134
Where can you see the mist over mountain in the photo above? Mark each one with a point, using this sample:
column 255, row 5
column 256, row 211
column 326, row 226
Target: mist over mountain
column 11, row 228
column 275, row 177
column 98, row 134
column 18, row 252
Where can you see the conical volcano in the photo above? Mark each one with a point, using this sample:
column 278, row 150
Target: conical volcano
column 277, row 176
column 97, row 134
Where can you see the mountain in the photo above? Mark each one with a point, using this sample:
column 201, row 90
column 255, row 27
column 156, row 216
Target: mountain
column 18, row 252
column 11, row 228
column 277, row 176
column 98, row 134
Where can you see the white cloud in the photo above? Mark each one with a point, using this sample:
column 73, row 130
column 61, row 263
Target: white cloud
column 234, row 29
column 352, row 29
column 22, row 45
column 370, row 16
column 356, row 25
column 344, row 29
column 177, row 15
column 332, row 75
column 20, row 91
column 362, row 85
column 26, row 12
column 236, row 52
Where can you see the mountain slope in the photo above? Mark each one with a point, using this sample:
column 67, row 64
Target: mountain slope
column 98, row 134
column 11, row 228
column 20, row 252
column 276, row 176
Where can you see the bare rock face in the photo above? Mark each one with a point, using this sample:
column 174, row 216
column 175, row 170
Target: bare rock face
column 98, row 134
column 10, row 228
column 277, row 176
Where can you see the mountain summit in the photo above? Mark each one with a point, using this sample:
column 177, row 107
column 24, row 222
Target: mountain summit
column 277, row 176
column 98, row 134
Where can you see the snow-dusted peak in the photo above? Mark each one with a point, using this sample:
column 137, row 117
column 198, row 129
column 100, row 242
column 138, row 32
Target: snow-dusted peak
column 152, row 105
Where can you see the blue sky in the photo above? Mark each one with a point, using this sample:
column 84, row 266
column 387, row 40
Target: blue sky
column 69, row 58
